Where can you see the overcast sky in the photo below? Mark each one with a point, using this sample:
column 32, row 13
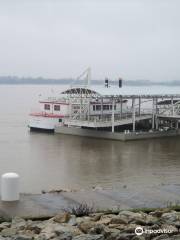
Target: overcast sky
column 134, row 39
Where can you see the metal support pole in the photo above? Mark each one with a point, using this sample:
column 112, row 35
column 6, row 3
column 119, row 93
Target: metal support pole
column 177, row 124
column 133, row 115
column 113, row 115
column 153, row 113
column 139, row 106
column 156, row 112
column 121, row 107
column 70, row 105
column 156, row 102
column 89, row 105
column 172, row 106
column 157, row 123
column 81, row 107
column 101, row 108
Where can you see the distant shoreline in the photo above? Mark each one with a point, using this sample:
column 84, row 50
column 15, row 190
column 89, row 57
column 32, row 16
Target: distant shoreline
column 44, row 81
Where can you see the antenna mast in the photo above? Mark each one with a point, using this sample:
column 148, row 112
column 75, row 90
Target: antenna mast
column 88, row 76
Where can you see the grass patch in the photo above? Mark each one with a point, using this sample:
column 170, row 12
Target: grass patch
column 80, row 210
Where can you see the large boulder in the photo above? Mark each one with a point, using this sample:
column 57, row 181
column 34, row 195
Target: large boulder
column 23, row 237
column 18, row 223
column 101, row 229
column 4, row 225
column 106, row 219
column 35, row 226
column 89, row 237
column 151, row 220
column 161, row 237
column 119, row 220
column 86, row 226
column 62, row 229
column 72, row 221
column 138, row 218
column 96, row 216
column 170, row 217
column 175, row 237
column 65, row 236
column 62, row 218
column 8, row 232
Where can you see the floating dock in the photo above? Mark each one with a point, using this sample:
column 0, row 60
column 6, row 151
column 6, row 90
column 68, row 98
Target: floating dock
column 161, row 112
column 127, row 136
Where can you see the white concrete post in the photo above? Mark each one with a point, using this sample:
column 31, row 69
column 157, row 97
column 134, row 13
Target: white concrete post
column 10, row 187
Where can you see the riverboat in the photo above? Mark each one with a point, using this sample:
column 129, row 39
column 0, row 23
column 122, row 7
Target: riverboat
column 56, row 111
column 76, row 103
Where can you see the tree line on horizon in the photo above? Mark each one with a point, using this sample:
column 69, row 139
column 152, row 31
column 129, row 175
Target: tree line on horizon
column 41, row 80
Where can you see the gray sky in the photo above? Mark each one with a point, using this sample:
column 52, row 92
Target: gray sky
column 135, row 39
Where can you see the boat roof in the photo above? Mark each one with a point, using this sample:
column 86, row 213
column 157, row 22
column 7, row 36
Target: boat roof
column 126, row 92
column 100, row 90
column 80, row 90
column 168, row 102
column 130, row 91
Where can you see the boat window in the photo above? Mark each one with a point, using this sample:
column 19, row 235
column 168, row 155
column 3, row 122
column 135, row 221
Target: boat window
column 105, row 107
column 56, row 107
column 76, row 107
column 110, row 106
column 60, row 119
column 47, row 106
column 98, row 107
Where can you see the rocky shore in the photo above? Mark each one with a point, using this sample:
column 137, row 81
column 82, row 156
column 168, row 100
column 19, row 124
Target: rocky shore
column 124, row 225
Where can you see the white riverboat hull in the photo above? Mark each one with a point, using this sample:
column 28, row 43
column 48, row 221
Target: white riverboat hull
column 43, row 123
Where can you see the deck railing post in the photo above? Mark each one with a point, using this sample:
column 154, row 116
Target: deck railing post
column 157, row 123
column 153, row 113
column 139, row 106
column 133, row 114
column 113, row 114
column 89, row 105
column 172, row 106
column 121, row 107
column 70, row 105
column 177, row 124
column 101, row 108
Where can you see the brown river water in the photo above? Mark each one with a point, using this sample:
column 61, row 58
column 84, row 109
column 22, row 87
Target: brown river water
column 47, row 161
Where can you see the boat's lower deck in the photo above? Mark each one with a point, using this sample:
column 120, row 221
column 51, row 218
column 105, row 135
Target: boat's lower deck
column 42, row 122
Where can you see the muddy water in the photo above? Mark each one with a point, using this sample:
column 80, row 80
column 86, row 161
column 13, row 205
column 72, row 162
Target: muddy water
column 47, row 161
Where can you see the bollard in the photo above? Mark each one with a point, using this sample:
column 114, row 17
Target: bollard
column 10, row 187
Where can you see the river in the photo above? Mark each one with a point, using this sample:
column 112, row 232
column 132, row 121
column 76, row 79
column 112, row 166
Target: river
column 47, row 161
